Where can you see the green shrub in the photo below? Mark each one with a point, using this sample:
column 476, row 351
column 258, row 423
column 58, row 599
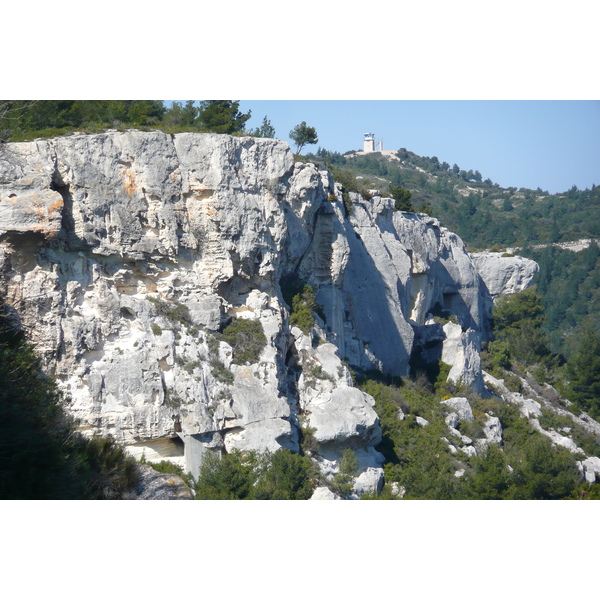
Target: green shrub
column 499, row 355
column 230, row 477
column 342, row 482
column 544, row 472
column 283, row 475
column 304, row 304
column 156, row 330
column 247, row 340
column 106, row 468
column 308, row 442
column 402, row 198
column 171, row 310
column 583, row 371
column 490, row 477
column 220, row 373
column 190, row 366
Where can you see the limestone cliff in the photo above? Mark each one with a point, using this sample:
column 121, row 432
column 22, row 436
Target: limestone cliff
column 123, row 255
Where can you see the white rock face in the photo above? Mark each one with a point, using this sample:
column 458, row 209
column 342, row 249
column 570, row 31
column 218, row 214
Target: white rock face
column 123, row 255
column 591, row 469
column 461, row 350
column 370, row 480
column 461, row 407
column 504, row 274
column 323, row 493
column 493, row 430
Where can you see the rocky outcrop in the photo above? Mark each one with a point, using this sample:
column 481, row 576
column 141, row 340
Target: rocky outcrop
column 503, row 273
column 124, row 256
column 460, row 350
column 153, row 485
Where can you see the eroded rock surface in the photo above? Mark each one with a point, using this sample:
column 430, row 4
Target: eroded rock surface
column 124, row 255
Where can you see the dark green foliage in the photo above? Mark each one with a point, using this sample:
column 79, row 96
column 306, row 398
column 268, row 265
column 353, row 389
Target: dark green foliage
column 222, row 116
column 342, row 482
column 514, row 310
column 402, row 197
column 303, row 134
column 171, row 310
column 517, row 327
column 303, row 306
column 42, row 456
column 542, row 471
column 499, row 355
column 491, row 476
column 53, row 117
column 418, row 459
column 266, row 130
column 229, row 477
column 283, row 475
column 308, row 442
column 569, row 285
column 583, row 372
column 11, row 114
column 105, row 471
column 21, row 120
column 219, row 372
column 181, row 115
column 247, row 339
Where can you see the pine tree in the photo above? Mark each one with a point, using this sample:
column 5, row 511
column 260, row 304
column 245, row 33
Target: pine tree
column 303, row 134
column 583, row 371
column 222, row 116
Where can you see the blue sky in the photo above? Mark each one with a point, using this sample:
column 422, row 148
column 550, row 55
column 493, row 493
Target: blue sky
column 551, row 144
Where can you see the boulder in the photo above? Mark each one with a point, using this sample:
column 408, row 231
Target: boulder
column 160, row 486
column 461, row 407
column 504, row 274
column 591, row 469
column 493, row 430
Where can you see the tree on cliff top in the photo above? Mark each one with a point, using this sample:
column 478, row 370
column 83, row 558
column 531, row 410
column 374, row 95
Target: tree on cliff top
column 222, row 116
column 303, row 134
column 402, row 198
column 266, row 130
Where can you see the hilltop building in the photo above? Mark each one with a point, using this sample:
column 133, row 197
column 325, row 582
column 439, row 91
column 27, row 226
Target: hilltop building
column 369, row 143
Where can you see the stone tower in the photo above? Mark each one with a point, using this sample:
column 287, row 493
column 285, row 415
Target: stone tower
column 369, row 142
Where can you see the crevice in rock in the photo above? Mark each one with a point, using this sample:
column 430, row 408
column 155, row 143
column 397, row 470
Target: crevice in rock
column 68, row 222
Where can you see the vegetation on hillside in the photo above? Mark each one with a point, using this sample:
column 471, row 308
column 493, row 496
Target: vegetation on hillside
column 480, row 211
column 24, row 120
column 526, row 465
column 569, row 286
column 421, row 463
column 283, row 475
